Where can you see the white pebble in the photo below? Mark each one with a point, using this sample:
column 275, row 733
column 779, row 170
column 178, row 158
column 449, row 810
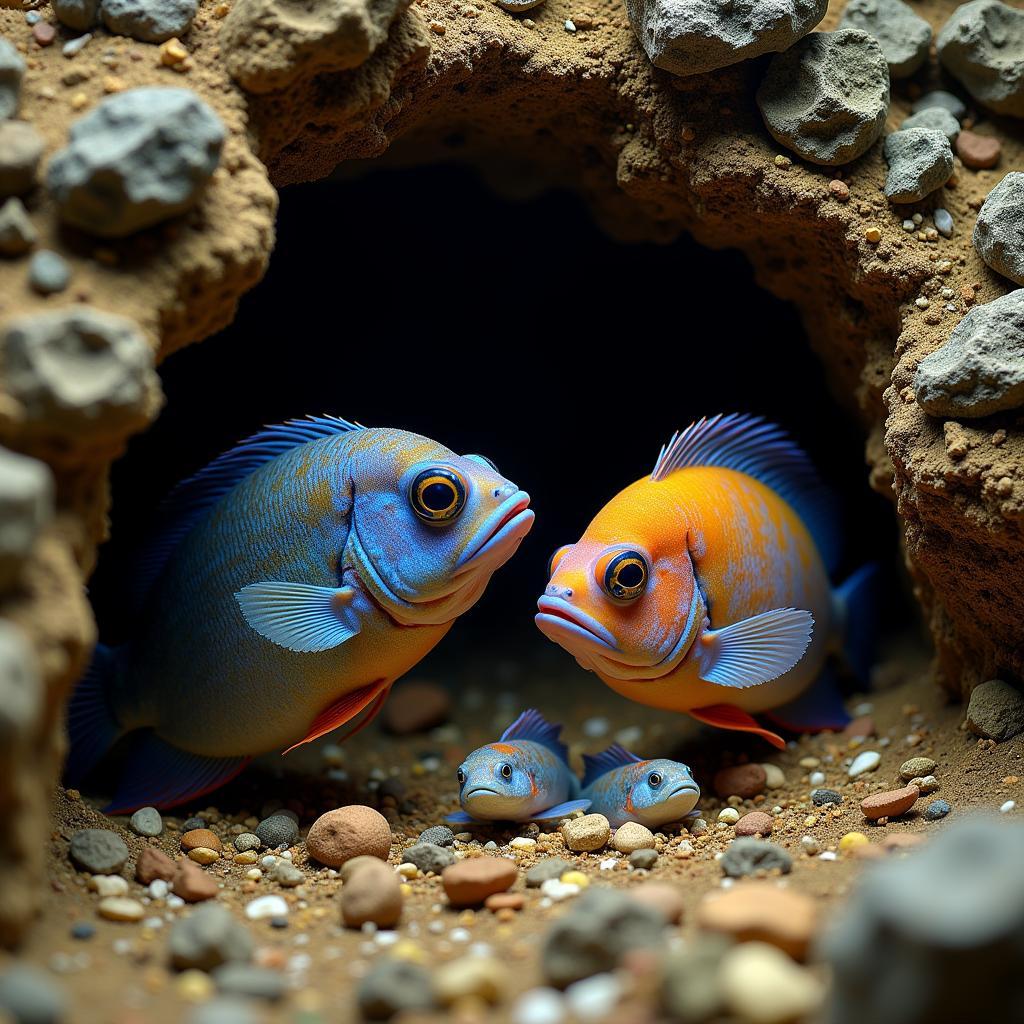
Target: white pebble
column 908, row 225
column 569, row 26
column 120, row 908
column 810, row 845
column 817, row 778
column 269, row 861
column 108, row 885
column 594, row 998
column 556, row 889
column 266, row 906
column 729, row 815
column 523, row 843
column 943, row 221
column 865, row 761
column 596, row 727
column 174, row 902
column 73, row 46
column 827, row 855
column 539, row 1006
column 774, row 777
column 1008, row 806
column 608, row 864
column 918, row 218
column 459, row 935
column 684, row 849
column 159, row 889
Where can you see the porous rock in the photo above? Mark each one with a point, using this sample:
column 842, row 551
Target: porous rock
column 978, row 371
column 587, row 833
column 347, row 832
column 996, row 710
column 999, row 229
column 372, row 894
column 903, row 35
column 935, row 118
column 920, row 161
column 690, row 37
column 277, row 830
column 208, row 937
column 12, row 70
column 137, row 158
column 98, row 850
column 151, row 21
column 982, row 45
column 429, row 857
column 827, row 97
column 392, row 987
column 26, row 506
column 80, row 15
column 17, row 235
column 633, row 836
column 21, row 148
column 748, row 856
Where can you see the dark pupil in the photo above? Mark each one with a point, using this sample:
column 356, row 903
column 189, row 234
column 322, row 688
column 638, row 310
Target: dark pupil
column 506, row 771
column 655, row 780
column 631, row 575
column 460, row 775
column 437, row 497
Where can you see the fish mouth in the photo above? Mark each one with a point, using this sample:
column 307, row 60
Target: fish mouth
column 499, row 536
column 559, row 620
column 683, row 787
column 480, row 791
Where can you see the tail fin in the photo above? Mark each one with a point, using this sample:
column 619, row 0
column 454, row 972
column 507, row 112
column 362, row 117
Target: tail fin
column 857, row 599
column 92, row 728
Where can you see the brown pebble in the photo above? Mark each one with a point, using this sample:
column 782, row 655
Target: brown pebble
column 192, row 883
column 44, row 33
column 742, row 780
column 372, row 893
column 756, row 823
column 840, row 190
column 505, row 901
column 890, row 804
column 666, row 899
column 153, row 864
column 897, row 841
column 978, row 151
column 761, row 912
column 200, row 837
column 415, row 707
column 348, row 832
column 469, row 882
column 860, row 728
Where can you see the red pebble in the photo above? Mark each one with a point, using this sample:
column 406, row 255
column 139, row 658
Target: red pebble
column 44, row 33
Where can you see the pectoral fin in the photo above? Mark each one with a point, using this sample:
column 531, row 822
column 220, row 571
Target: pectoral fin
column 460, row 818
column 562, row 810
column 344, row 710
column 299, row 616
column 726, row 716
column 755, row 650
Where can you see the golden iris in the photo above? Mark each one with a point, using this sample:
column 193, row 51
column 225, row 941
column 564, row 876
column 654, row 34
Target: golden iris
column 437, row 495
column 626, row 576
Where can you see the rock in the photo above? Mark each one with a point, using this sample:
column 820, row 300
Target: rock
column 690, row 992
column 12, row 70
column 666, row 899
column 225, row 1010
column 692, row 36
column 438, row 835
column 80, row 15
column 98, row 850
column 22, row 693
column 21, row 148
column 153, row 864
column 903, row 36
column 348, row 832
column 48, row 272
column 543, row 871
column 761, row 912
column 591, row 937
column 192, row 823
column 192, row 883
column 476, row 978
column 996, row 709
column 761, row 985
column 936, row 810
column 415, row 707
column 267, row 45
column 932, row 939
column 197, row 838
column 277, row 830
column 208, row 937
column 982, row 45
column 978, row 152
column 28, row 996
column 756, row 823
column 916, row 766
column 943, row 221
column 920, row 161
column 109, row 885
column 249, row 981
column 26, row 506
column 392, row 987
column 775, row 777
column 373, row 893
column 121, row 908
column 587, row 833
column 998, row 231
column 137, row 158
column 17, row 235
column 246, row 841
column 643, row 859
column 146, row 821
column 890, row 804
column 262, row 907
column 824, row 797
column 748, row 856
column 936, row 119
column 350, row 867
column 632, row 836
column 151, row 21
column 978, row 371
column 865, row 761
column 286, row 874
column 428, row 857
column 469, row 882
column 743, row 780
column 939, row 98
column 827, row 97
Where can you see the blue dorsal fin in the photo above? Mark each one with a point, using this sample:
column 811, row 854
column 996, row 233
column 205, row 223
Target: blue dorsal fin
column 532, row 725
column 752, row 445
column 596, row 765
column 192, row 498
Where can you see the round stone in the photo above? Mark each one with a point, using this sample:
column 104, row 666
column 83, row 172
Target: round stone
column 48, row 272
column 469, row 882
column 823, row 797
column 545, row 870
column 890, row 804
column 748, row 856
column 979, row 152
column 762, row 912
column 246, row 841
column 371, row 894
column 30, row 996
column 146, row 822
column 277, row 830
column 743, row 780
column 756, row 823
column 916, row 766
column 266, row 906
column 439, row 835
column 348, row 832
column 587, row 833
column 121, row 908
column 936, row 810
column 643, row 859
column 865, row 761
column 98, row 850
column 633, row 836
column 200, row 838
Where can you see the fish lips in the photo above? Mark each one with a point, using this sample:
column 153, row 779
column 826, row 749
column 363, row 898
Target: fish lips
column 500, row 535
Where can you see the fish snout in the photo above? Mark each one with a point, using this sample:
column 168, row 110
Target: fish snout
column 554, row 590
column 506, row 490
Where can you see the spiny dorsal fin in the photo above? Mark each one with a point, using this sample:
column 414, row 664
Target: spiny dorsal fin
column 752, row 445
column 596, row 765
column 182, row 509
column 532, row 725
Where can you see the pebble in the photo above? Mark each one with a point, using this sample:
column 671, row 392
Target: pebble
column 632, row 836
column 277, row 830
column 774, row 776
column 743, row 780
column 83, row 931
column 824, row 797
column 250, row 982
column 17, row 235
column 200, row 838
column 153, row 864
column 203, row 855
column 286, row 874
column 762, row 912
column 999, row 227
column 666, row 899
column 587, row 833
column 810, row 845
column 940, row 98
column 415, row 706
column 920, row 161
column 44, row 33
column 848, row 67
column 21, row 148
column 729, row 815
column 73, row 47
column 28, row 996
column 926, row 784
column 852, row 840
column 80, row 15
column 246, row 841
column 150, row 21
column 542, row 871
column 469, row 882
column 979, row 152
column 225, row 1010
column 108, row 885
column 98, row 850
column 476, row 978
column 523, row 844
column 816, row 778
column 48, row 272
column 916, row 766
column 936, row 809
column 761, row 985
column 347, row 832
column 594, row 998
column 943, row 221
column 121, row 908
column 146, row 821
column 372, row 894
column 505, row 901
column 935, row 118
column 428, row 857
column 539, row 1006
column 890, row 804
column 865, row 761
column 747, row 856
column 977, row 372
column 903, row 36
column 756, row 823
column 439, row 835
column 1007, row 807
column 266, row 906
column 395, row 986
column 643, row 859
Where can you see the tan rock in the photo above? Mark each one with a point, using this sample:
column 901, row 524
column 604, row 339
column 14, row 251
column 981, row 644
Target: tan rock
column 890, row 804
column 372, row 893
column 756, row 823
column 762, row 912
column 587, row 833
column 666, row 899
column 471, row 977
column 200, row 837
column 153, row 864
column 632, row 836
column 192, row 883
column 761, row 985
column 470, row 881
column 348, row 832
column 742, row 780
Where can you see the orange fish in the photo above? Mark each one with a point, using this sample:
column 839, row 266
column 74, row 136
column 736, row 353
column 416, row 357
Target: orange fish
column 705, row 587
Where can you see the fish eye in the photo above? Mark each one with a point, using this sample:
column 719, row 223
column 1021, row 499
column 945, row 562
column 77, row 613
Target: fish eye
column 654, row 780
column 484, row 461
column 460, row 775
column 437, row 495
column 625, row 576
column 556, row 558
column 506, row 771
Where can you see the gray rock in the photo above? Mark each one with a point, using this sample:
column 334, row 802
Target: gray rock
column 21, row 148
column 690, row 992
column 943, row 222
column 79, row 373
column 21, row 687
column 237, row 979
column 903, row 35
column 392, row 987
column 542, row 871
column 17, row 235
column 979, row 370
column 748, row 856
column 194, row 822
column 999, row 229
column 80, row 15
column 146, row 821
column 936, row 810
column 135, row 159
column 940, row 98
column 12, row 71
column 592, row 936
column 996, row 710
column 48, row 272
column 286, row 874
column 28, row 996
column 208, row 937
column 98, row 850
column 689, row 37
column 26, row 506
column 936, row 118
column 982, row 45
column 225, row 1010
column 920, row 161
column 643, row 859
column 279, row 829
column 152, row 21
column 428, row 857
column 439, row 835
column 246, row 841
column 827, row 97
column 936, row 938
column 822, row 797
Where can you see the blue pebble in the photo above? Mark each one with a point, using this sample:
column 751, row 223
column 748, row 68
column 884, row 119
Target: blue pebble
column 936, row 809
column 48, row 272
column 33, row 17
column 943, row 221
column 83, row 930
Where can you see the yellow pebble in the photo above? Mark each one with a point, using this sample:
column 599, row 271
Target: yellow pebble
column 172, row 52
column 467, row 917
column 221, row 10
column 203, row 855
column 810, row 820
column 404, row 949
column 194, row 986
column 575, row 878
column 113, row 84
column 852, row 839
column 246, row 857
column 408, row 870
column 406, row 889
column 873, row 235
column 418, row 769
column 79, row 100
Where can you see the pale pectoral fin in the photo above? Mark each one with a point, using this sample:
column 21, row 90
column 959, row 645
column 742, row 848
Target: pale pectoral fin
column 755, row 650
column 460, row 818
column 726, row 716
column 562, row 810
column 344, row 710
column 299, row 616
